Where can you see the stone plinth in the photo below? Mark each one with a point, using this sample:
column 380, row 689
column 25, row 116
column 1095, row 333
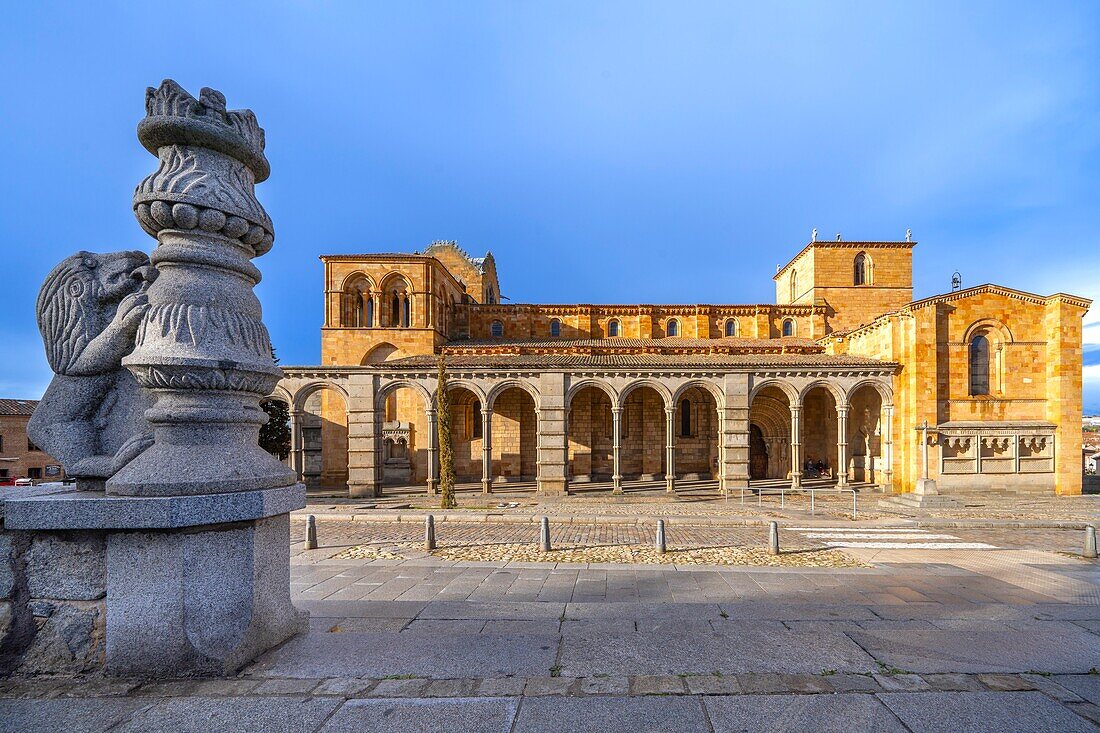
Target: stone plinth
column 148, row 587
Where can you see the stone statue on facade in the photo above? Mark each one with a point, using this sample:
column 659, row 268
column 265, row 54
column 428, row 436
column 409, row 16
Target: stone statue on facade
column 92, row 417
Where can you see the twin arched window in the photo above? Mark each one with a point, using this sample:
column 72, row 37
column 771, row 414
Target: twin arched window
column 612, row 328
column 672, row 328
column 496, row 329
column 555, row 328
column 788, row 327
column 731, row 327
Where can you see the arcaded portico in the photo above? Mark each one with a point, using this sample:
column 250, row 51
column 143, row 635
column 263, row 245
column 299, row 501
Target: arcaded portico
column 827, row 384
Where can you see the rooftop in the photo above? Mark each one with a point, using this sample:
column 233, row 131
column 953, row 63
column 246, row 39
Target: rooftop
column 17, row 407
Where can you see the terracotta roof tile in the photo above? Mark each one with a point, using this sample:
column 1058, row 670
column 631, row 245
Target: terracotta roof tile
column 535, row 361
column 17, row 407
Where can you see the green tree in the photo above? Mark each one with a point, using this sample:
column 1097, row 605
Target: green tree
column 275, row 435
column 446, row 449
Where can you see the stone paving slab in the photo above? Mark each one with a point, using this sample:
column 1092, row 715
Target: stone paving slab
column 439, row 656
column 1063, row 650
column 66, row 715
column 521, row 610
column 840, row 713
column 461, row 715
column 960, row 712
column 1087, row 687
column 611, row 715
column 731, row 652
column 238, row 714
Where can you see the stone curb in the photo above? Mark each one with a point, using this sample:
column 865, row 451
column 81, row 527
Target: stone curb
column 686, row 520
column 752, row 683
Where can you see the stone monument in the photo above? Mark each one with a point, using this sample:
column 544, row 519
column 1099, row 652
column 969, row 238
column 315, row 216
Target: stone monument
column 173, row 548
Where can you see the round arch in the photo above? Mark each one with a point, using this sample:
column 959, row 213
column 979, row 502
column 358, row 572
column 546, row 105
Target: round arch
column 985, row 325
column 656, row 386
column 785, row 387
column 703, row 384
column 839, row 397
column 598, row 384
column 380, row 397
column 353, row 277
column 380, row 353
column 388, row 281
column 885, row 391
column 453, row 384
column 305, row 392
column 281, row 393
column 500, row 387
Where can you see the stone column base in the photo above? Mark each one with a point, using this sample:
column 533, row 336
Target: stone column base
column 556, row 487
column 189, row 585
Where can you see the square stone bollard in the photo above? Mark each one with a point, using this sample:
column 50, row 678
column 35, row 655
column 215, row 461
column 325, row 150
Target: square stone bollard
column 145, row 586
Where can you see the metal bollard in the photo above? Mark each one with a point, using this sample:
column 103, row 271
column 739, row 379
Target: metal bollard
column 773, row 538
column 853, row 503
column 429, row 532
column 811, row 501
column 1090, row 541
column 311, row 532
column 544, row 535
column 660, row 536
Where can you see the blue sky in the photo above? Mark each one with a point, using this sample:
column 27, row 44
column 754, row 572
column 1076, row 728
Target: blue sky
column 604, row 152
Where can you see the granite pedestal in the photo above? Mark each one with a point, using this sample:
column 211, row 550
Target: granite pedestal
column 169, row 586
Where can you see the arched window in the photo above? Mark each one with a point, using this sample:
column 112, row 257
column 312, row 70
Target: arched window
column 788, row 327
column 497, row 329
column 861, row 269
column 685, row 418
column 370, row 311
column 731, row 327
column 612, row 327
column 672, row 328
column 979, row 365
column 406, row 313
column 475, row 419
column 794, row 286
column 555, row 328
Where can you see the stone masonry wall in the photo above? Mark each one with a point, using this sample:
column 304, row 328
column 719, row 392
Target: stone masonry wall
column 52, row 602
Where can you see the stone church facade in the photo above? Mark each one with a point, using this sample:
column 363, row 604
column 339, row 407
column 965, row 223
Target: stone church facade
column 830, row 382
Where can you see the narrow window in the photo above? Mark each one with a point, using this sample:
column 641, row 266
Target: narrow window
column 788, row 327
column 497, row 329
column 673, row 328
column 370, row 311
column 685, row 419
column 555, row 328
column 475, row 409
column 612, row 328
column 794, row 286
column 406, row 313
column 979, row 365
column 859, row 270
column 731, row 328
column 395, row 310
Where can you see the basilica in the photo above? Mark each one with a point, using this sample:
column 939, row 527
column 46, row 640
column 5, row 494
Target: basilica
column 828, row 384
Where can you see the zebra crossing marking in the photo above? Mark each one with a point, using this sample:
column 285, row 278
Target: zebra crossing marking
column 887, row 538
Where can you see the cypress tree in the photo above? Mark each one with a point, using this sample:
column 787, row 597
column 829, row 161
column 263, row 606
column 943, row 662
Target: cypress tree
column 446, row 449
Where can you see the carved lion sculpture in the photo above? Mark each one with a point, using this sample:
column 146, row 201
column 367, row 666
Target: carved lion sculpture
column 92, row 417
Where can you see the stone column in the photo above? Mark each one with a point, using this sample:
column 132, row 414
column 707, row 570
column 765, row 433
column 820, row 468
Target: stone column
column 433, row 452
column 616, row 447
column 670, row 448
column 202, row 349
column 553, row 442
column 886, row 430
column 842, row 446
column 364, row 438
column 796, row 446
column 486, row 451
column 296, row 444
column 734, row 425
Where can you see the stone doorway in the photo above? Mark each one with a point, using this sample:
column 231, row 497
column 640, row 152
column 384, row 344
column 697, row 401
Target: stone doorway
column 758, row 453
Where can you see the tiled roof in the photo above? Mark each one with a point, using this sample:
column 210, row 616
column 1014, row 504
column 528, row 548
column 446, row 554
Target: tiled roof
column 536, row 361
column 615, row 344
column 17, row 407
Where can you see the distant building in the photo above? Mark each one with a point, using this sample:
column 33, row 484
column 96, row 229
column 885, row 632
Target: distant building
column 19, row 457
column 837, row 373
